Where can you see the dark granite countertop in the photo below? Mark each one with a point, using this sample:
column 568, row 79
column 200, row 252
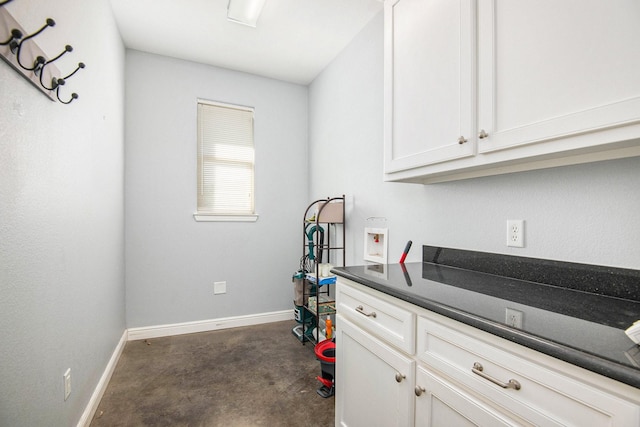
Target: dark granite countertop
column 579, row 327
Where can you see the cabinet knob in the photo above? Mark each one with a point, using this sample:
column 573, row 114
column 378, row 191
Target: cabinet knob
column 419, row 390
column 483, row 134
column 400, row 377
column 462, row 140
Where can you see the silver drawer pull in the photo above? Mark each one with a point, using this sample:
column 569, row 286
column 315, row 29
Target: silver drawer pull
column 400, row 377
column 477, row 369
column 462, row 140
column 419, row 390
column 483, row 134
column 360, row 309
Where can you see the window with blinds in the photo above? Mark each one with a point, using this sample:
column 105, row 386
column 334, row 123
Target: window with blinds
column 225, row 162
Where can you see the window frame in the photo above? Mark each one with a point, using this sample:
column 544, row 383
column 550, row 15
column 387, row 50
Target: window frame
column 213, row 216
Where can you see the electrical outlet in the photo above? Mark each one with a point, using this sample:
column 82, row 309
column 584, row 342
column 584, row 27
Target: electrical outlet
column 219, row 288
column 515, row 233
column 513, row 318
column 67, row 383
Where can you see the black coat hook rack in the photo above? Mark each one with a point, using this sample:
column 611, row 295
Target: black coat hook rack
column 25, row 56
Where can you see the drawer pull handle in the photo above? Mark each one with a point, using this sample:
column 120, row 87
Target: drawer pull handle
column 400, row 377
column 419, row 390
column 483, row 134
column 477, row 369
column 360, row 310
column 462, row 140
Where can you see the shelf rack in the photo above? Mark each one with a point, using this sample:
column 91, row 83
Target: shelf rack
column 323, row 240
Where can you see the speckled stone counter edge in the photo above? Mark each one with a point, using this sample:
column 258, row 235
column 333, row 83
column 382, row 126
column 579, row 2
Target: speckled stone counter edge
column 601, row 280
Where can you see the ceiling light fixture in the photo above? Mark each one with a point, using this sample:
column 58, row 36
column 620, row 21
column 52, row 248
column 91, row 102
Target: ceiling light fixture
column 244, row 12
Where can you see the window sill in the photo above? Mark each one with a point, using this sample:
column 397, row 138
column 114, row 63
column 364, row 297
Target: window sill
column 224, row 218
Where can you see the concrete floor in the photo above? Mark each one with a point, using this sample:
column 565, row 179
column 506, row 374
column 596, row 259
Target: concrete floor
column 250, row 376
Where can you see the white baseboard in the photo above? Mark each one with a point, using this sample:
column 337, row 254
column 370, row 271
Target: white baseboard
column 92, row 406
column 208, row 325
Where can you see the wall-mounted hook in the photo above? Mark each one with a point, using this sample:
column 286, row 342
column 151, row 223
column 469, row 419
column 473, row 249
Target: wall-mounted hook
column 40, row 70
column 73, row 96
column 67, row 48
column 37, row 64
column 60, row 83
column 28, row 58
column 18, row 48
column 56, row 83
column 15, row 36
column 80, row 65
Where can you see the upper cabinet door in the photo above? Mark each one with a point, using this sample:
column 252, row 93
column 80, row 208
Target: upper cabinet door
column 549, row 70
column 429, row 82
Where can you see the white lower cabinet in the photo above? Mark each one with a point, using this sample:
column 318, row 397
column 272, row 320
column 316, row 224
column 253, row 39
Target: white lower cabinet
column 457, row 375
column 376, row 382
column 535, row 388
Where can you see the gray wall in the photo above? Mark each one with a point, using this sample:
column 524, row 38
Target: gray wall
column 585, row 213
column 172, row 260
column 61, row 218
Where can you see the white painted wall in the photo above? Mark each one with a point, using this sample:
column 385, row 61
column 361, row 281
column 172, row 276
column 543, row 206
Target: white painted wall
column 172, row 260
column 585, row 213
column 61, row 218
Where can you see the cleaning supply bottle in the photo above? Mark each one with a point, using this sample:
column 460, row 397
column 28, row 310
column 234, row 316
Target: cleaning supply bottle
column 328, row 332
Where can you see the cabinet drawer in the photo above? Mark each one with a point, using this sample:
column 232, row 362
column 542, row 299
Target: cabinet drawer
column 441, row 403
column 545, row 396
column 391, row 323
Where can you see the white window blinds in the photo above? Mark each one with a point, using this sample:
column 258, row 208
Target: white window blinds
column 225, row 159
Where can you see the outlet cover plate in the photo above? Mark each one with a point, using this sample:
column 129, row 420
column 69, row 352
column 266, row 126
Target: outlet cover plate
column 219, row 288
column 515, row 233
column 513, row 318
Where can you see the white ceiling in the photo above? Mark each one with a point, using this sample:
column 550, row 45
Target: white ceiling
column 294, row 39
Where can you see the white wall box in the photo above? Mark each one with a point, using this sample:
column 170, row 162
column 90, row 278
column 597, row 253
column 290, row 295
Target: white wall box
column 528, row 97
column 435, row 384
column 376, row 242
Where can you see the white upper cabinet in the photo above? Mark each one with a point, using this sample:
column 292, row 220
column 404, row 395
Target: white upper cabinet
column 429, row 106
column 555, row 83
column 550, row 69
